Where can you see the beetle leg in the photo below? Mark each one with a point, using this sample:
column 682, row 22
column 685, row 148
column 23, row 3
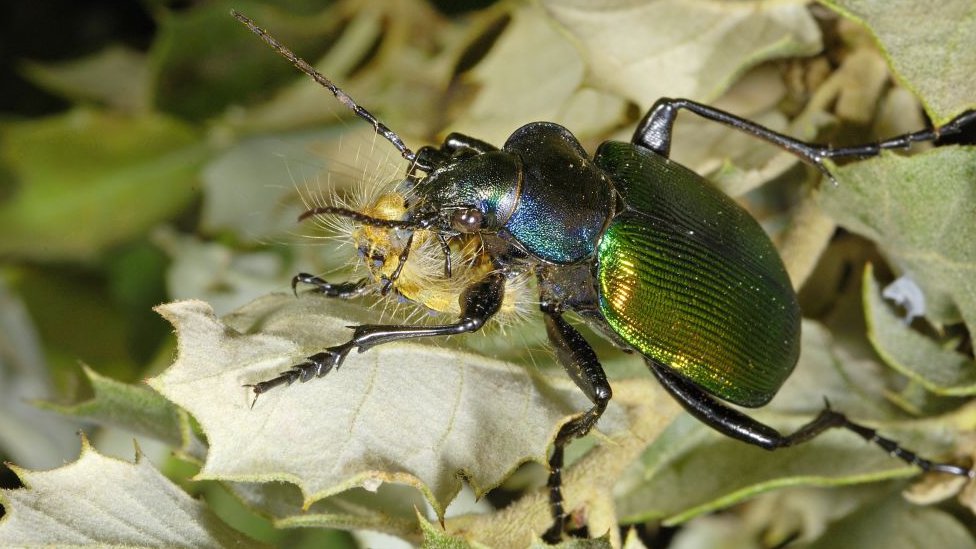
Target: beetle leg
column 428, row 159
column 654, row 132
column 455, row 146
column 457, row 143
column 582, row 364
column 737, row 425
column 446, row 250
column 401, row 261
column 479, row 302
column 344, row 290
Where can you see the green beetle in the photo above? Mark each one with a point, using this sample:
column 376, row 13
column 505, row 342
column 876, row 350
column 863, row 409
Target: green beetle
column 690, row 280
column 648, row 252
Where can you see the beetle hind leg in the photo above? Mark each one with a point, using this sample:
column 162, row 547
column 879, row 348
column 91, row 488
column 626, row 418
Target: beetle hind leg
column 582, row 364
column 654, row 132
column 739, row 426
column 829, row 418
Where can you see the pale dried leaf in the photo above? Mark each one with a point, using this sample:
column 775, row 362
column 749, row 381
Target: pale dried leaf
column 101, row 501
column 406, row 413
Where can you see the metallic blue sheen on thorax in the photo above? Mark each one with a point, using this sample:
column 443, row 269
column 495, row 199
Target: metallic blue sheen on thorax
column 565, row 200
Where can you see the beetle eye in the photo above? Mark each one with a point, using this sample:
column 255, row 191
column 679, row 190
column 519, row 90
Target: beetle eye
column 467, row 220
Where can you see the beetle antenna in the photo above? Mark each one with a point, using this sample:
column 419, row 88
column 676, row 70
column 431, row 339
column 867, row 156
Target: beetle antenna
column 363, row 218
column 344, row 98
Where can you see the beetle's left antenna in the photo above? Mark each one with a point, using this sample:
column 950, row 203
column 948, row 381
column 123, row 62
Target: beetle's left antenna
column 342, row 96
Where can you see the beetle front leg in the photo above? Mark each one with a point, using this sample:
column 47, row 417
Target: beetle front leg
column 737, row 425
column 582, row 364
column 479, row 302
column 455, row 145
column 342, row 290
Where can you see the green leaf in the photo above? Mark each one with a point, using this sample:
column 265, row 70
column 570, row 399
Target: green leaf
column 116, row 77
column 436, row 538
column 87, row 180
column 207, row 269
column 643, row 50
column 29, row 436
column 130, row 407
column 406, row 413
column 608, row 53
column 390, row 508
column 895, row 524
column 797, row 517
column 103, row 501
column 591, row 482
column 720, row 472
column 203, row 60
column 918, row 211
column 510, row 92
column 930, row 47
column 940, row 370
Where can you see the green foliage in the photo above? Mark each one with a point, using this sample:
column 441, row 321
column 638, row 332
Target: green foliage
column 205, row 148
column 105, row 176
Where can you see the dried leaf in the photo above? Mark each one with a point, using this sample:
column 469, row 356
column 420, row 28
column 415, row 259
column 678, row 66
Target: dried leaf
column 102, row 501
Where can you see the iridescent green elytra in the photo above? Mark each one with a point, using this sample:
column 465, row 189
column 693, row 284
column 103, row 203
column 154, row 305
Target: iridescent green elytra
column 689, row 279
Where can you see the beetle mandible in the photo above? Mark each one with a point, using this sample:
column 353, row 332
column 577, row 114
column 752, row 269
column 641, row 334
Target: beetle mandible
column 641, row 247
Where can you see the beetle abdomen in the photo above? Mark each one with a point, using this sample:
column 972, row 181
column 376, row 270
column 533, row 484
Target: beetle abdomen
column 690, row 280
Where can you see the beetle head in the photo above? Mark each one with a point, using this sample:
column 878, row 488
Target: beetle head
column 471, row 194
column 468, row 196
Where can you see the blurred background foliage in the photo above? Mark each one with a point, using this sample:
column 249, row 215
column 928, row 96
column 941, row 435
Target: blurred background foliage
column 154, row 150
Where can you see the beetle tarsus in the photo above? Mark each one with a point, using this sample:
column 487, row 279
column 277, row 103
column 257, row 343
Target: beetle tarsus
column 829, row 419
column 654, row 132
column 580, row 361
column 320, row 364
column 554, row 533
column 739, row 426
column 389, row 281
column 344, row 290
column 317, row 365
